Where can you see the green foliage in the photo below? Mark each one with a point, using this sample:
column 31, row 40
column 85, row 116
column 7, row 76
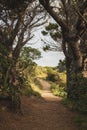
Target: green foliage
column 59, row 90
column 25, row 64
column 24, row 68
column 26, row 58
column 81, row 118
column 16, row 5
column 58, row 82
column 78, row 88
column 14, row 27
column 55, row 35
column 4, row 60
column 51, row 70
column 40, row 72
column 47, row 47
column 78, row 93
column 26, row 86
column 44, row 33
column 3, row 49
column 51, row 26
column 30, row 92
column 53, row 30
column 30, row 53
column 52, row 75
column 62, row 65
column 5, row 63
column 37, row 82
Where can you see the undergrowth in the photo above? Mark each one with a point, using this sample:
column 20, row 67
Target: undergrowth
column 78, row 100
column 81, row 112
column 57, row 81
column 58, row 89
column 28, row 91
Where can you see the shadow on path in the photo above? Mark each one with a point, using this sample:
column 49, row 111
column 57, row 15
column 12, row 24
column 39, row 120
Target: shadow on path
column 39, row 114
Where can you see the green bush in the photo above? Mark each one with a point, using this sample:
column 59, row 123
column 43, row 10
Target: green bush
column 58, row 82
column 52, row 75
column 37, row 82
column 81, row 118
column 59, row 90
column 30, row 92
column 78, row 88
column 78, row 94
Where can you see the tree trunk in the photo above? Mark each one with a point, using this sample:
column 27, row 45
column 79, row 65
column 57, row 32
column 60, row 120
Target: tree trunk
column 11, row 83
column 68, row 76
column 76, row 54
column 73, row 62
column 14, row 88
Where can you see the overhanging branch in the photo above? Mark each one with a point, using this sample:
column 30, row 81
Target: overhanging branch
column 55, row 16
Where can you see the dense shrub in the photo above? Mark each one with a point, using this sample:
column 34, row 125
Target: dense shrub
column 30, row 92
column 59, row 90
column 78, row 88
column 78, row 94
column 52, row 75
column 58, row 82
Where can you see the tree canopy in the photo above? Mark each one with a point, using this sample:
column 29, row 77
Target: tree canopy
column 17, row 22
column 71, row 16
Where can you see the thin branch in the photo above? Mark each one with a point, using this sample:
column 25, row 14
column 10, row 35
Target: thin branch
column 55, row 16
column 5, row 21
column 78, row 12
column 29, row 38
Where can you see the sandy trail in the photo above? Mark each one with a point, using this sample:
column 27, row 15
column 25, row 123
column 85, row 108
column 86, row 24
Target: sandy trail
column 46, row 93
column 39, row 114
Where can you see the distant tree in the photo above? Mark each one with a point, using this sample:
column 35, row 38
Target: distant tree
column 27, row 57
column 26, row 65
column 62, row 65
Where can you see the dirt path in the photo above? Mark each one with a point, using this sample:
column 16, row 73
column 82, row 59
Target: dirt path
column 46, row 93
column 38, row 114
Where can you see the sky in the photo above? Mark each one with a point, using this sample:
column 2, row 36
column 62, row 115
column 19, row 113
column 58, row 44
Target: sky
column 48, row 58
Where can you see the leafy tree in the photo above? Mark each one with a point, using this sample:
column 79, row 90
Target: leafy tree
column 26, row 60
column 52, row 30
column 30, row 53
column 17, row 21
column 62, row 65
column 71, row 16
